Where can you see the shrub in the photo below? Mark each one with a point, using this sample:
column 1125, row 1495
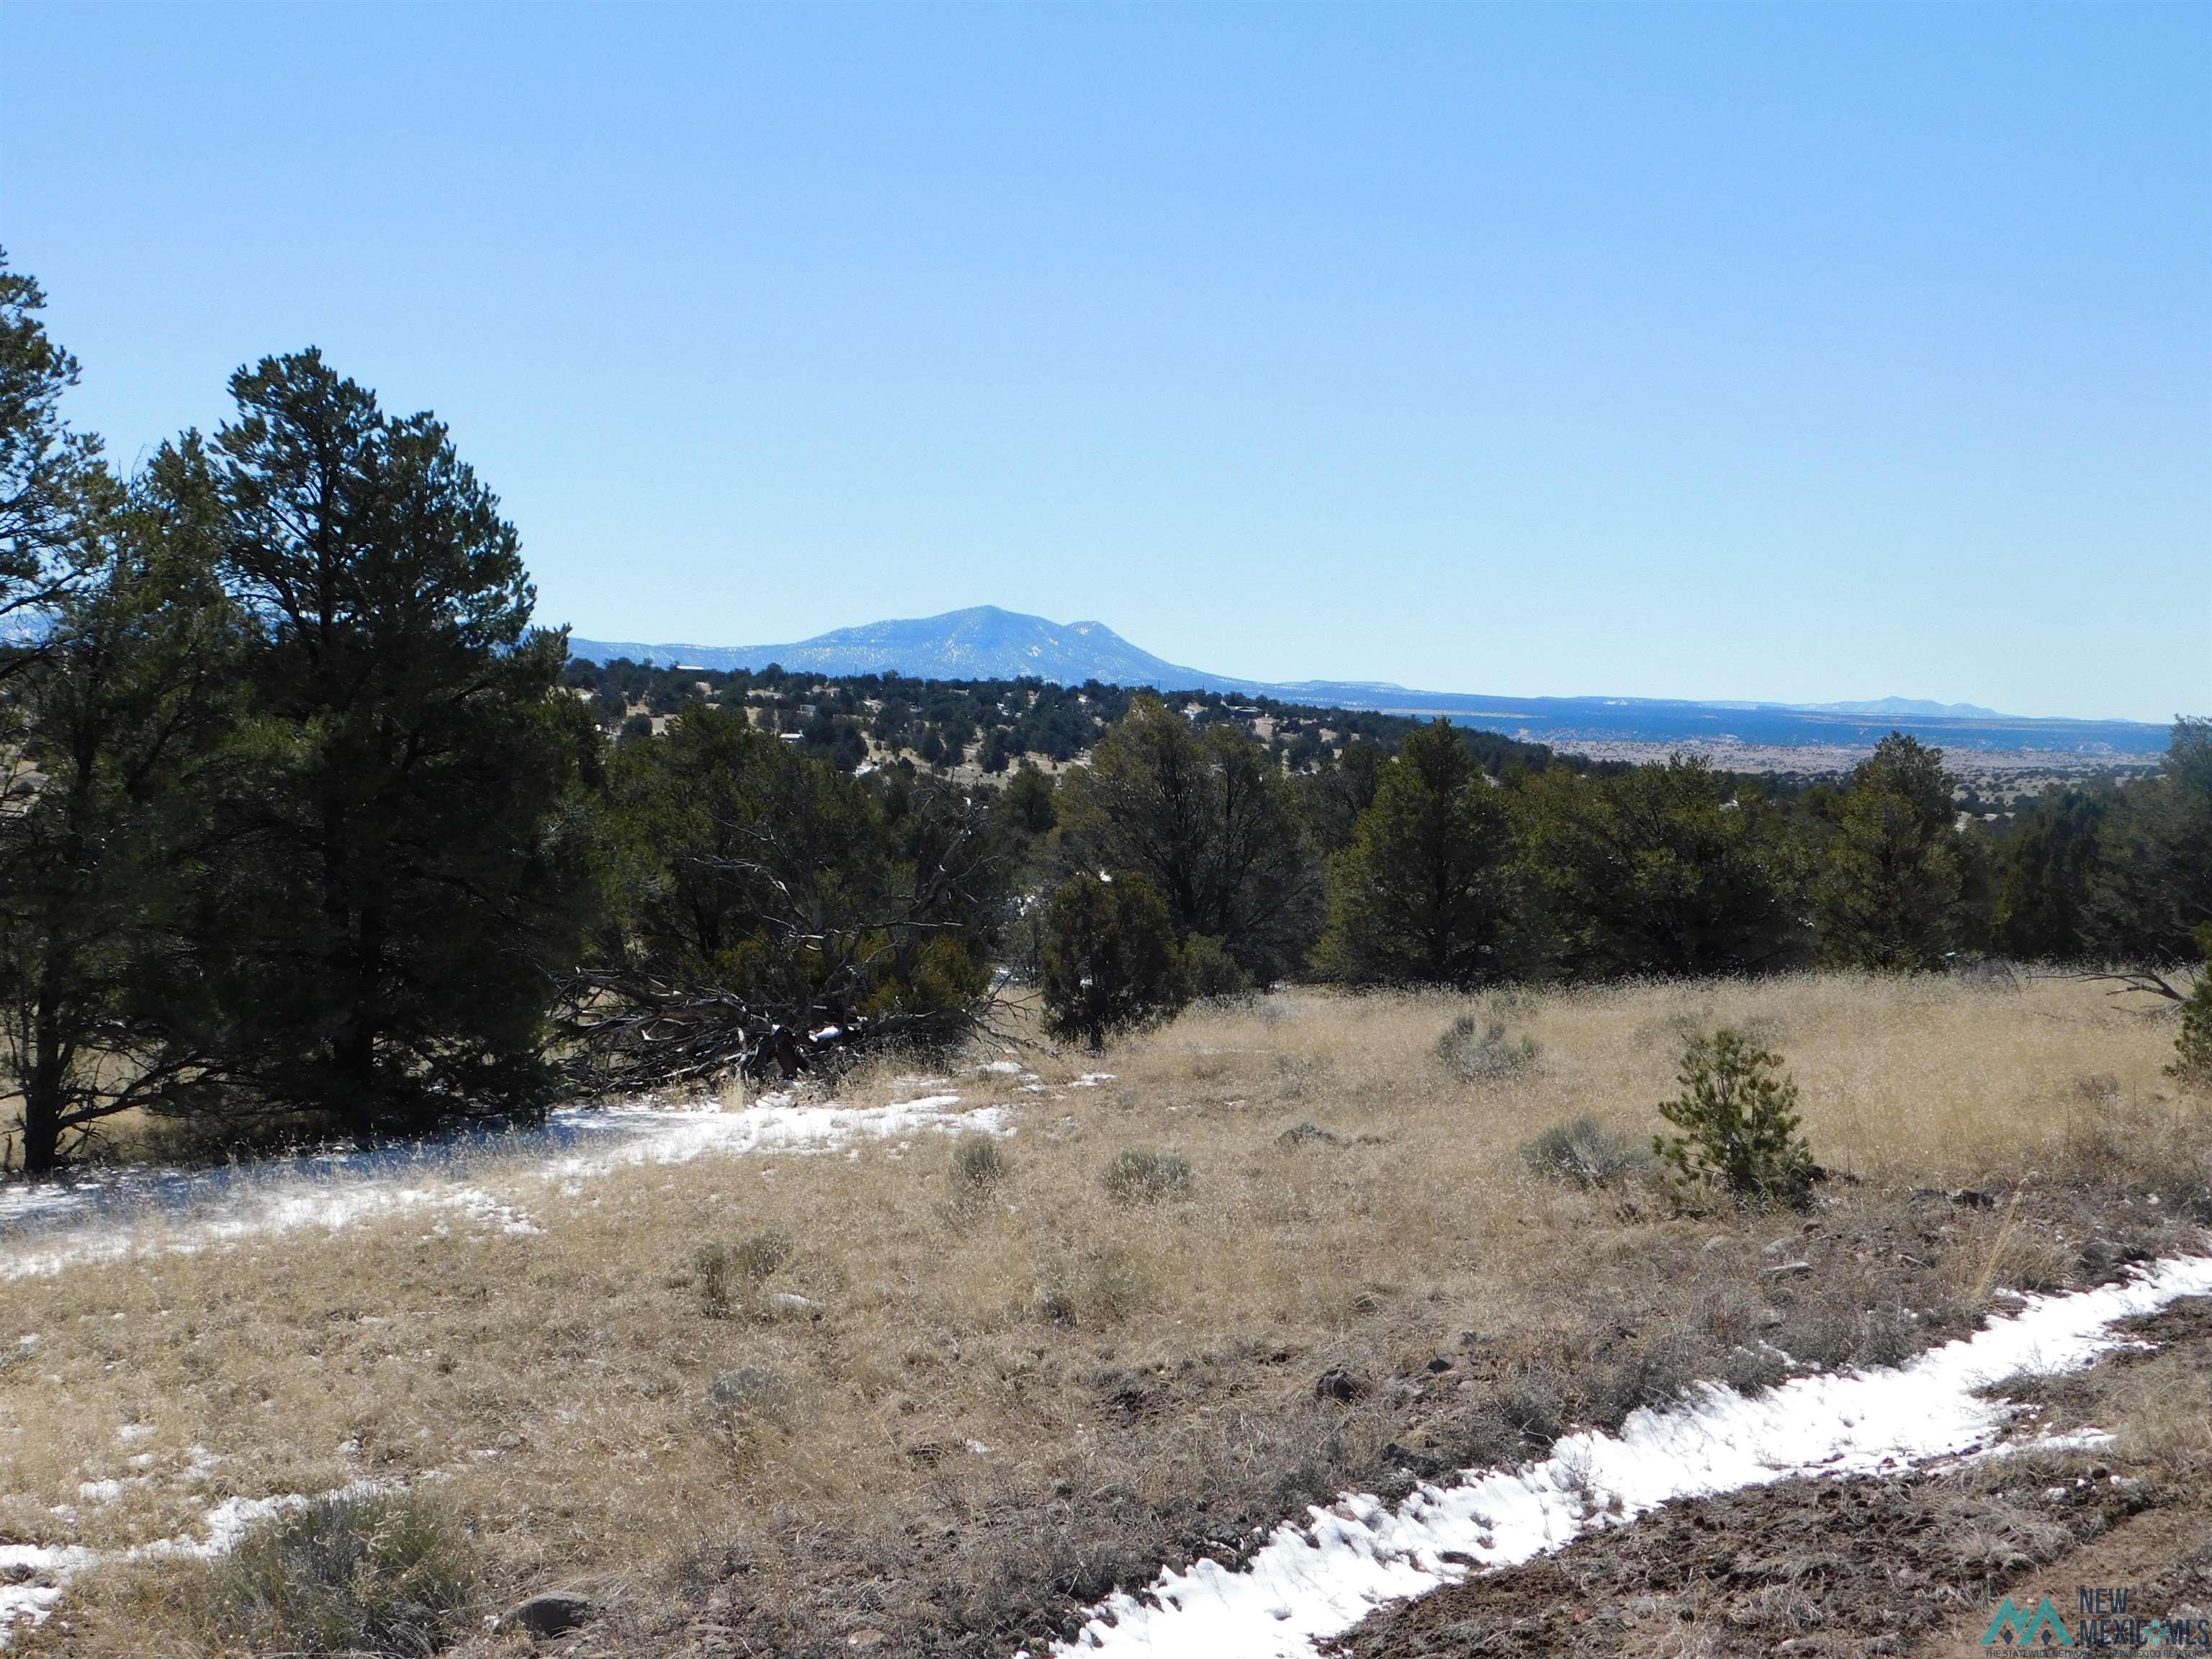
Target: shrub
column 1479, row 1052
column 1582, row 1154
column 1739, row 1123
column 1140, row 1174
column 979, row 1165
column 1208, row 970
column 722, row 1271
column 2192, row 1049
column 389, row 1575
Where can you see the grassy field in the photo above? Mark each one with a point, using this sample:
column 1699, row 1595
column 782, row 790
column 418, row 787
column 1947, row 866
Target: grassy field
column 972, row 1392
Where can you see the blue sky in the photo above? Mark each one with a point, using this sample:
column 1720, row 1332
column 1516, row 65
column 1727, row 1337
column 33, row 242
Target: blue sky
column 1788, row 352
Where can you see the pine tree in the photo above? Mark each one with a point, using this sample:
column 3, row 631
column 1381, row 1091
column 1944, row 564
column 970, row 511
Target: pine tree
column 105, row 847
column 2152, row 888
column 1423, row 893
column 1206, row 817
column 409, row 871
column 46, row 470
column 1891, row 878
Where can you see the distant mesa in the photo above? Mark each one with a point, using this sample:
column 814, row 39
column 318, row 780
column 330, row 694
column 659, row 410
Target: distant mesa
column 984, row 643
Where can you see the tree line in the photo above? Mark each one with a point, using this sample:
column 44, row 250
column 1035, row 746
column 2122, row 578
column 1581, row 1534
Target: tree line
column 994, row 724
column 303, row 830
column 1185, row 865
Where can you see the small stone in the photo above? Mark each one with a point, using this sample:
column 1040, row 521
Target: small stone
column 1338, row 1383
column 790, row 1302
column 550, row 1612
column 1439, row 1365
column 1790, row 1270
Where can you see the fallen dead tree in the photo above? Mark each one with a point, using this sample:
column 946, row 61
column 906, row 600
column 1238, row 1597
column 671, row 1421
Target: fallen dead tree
column 777, row 917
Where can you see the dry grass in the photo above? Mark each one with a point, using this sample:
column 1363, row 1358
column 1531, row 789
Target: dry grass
column 1006, row 1399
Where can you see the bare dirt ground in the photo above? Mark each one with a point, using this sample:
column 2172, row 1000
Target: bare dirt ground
column 1914, row 1565
column 982, row 1409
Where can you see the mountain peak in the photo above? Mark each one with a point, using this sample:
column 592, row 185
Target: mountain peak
column 981, row 642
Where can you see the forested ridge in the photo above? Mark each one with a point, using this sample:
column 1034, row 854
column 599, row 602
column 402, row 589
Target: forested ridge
column 309, row 828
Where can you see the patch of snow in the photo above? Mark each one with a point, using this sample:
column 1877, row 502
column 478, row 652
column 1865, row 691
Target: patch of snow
column 156, row 1211
column 1321, row 1577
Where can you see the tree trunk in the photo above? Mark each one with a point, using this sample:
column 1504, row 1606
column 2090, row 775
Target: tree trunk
column 44, row 1091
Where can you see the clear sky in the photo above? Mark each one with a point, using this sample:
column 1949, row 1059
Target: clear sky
column 1773, row 351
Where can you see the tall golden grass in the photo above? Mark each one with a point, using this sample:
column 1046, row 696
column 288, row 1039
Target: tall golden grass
column 964, row 1355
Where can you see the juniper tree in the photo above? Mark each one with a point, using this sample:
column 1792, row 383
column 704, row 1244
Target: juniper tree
column 1669, row 869
column 1206, row 817
column 769, row 910
column 1108, row 961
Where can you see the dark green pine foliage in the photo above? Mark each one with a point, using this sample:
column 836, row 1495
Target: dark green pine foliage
column 2048, row 865
column 2152, row 890
column 1892, row 875
column 1109, row 962
column 1206, row 817
column 408, row 868
column 103, row 846
column 1423, row 893
column 1737, row 1118
column 1668, row 870
column 760, row 896
column 46, row 469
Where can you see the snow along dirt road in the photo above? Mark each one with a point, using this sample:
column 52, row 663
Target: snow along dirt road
column 1321, row 1577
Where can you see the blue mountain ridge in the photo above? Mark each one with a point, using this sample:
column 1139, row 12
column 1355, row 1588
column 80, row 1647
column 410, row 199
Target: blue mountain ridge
column 986, row 642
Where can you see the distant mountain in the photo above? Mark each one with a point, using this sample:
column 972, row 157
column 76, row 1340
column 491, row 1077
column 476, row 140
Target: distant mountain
column 984, row 642
column 980, row 643
column 1918, row 707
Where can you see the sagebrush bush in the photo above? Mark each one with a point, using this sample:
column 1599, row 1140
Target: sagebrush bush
column 723, row 1272
column 385, row 1576
column 1141, row 1175
column 1477, row 1051
column 1738, row 1118
column 1582, row 1154
column 979, row 1165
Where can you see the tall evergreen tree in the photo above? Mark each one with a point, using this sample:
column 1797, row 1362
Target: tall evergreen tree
column 1206, row 817
column 2048, row 865
column 1891, row 876
column 1664, row 869
column 409, row 870
column 104, row 847
column 46, row 469
column 2152, row 890
column 1423, row 893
